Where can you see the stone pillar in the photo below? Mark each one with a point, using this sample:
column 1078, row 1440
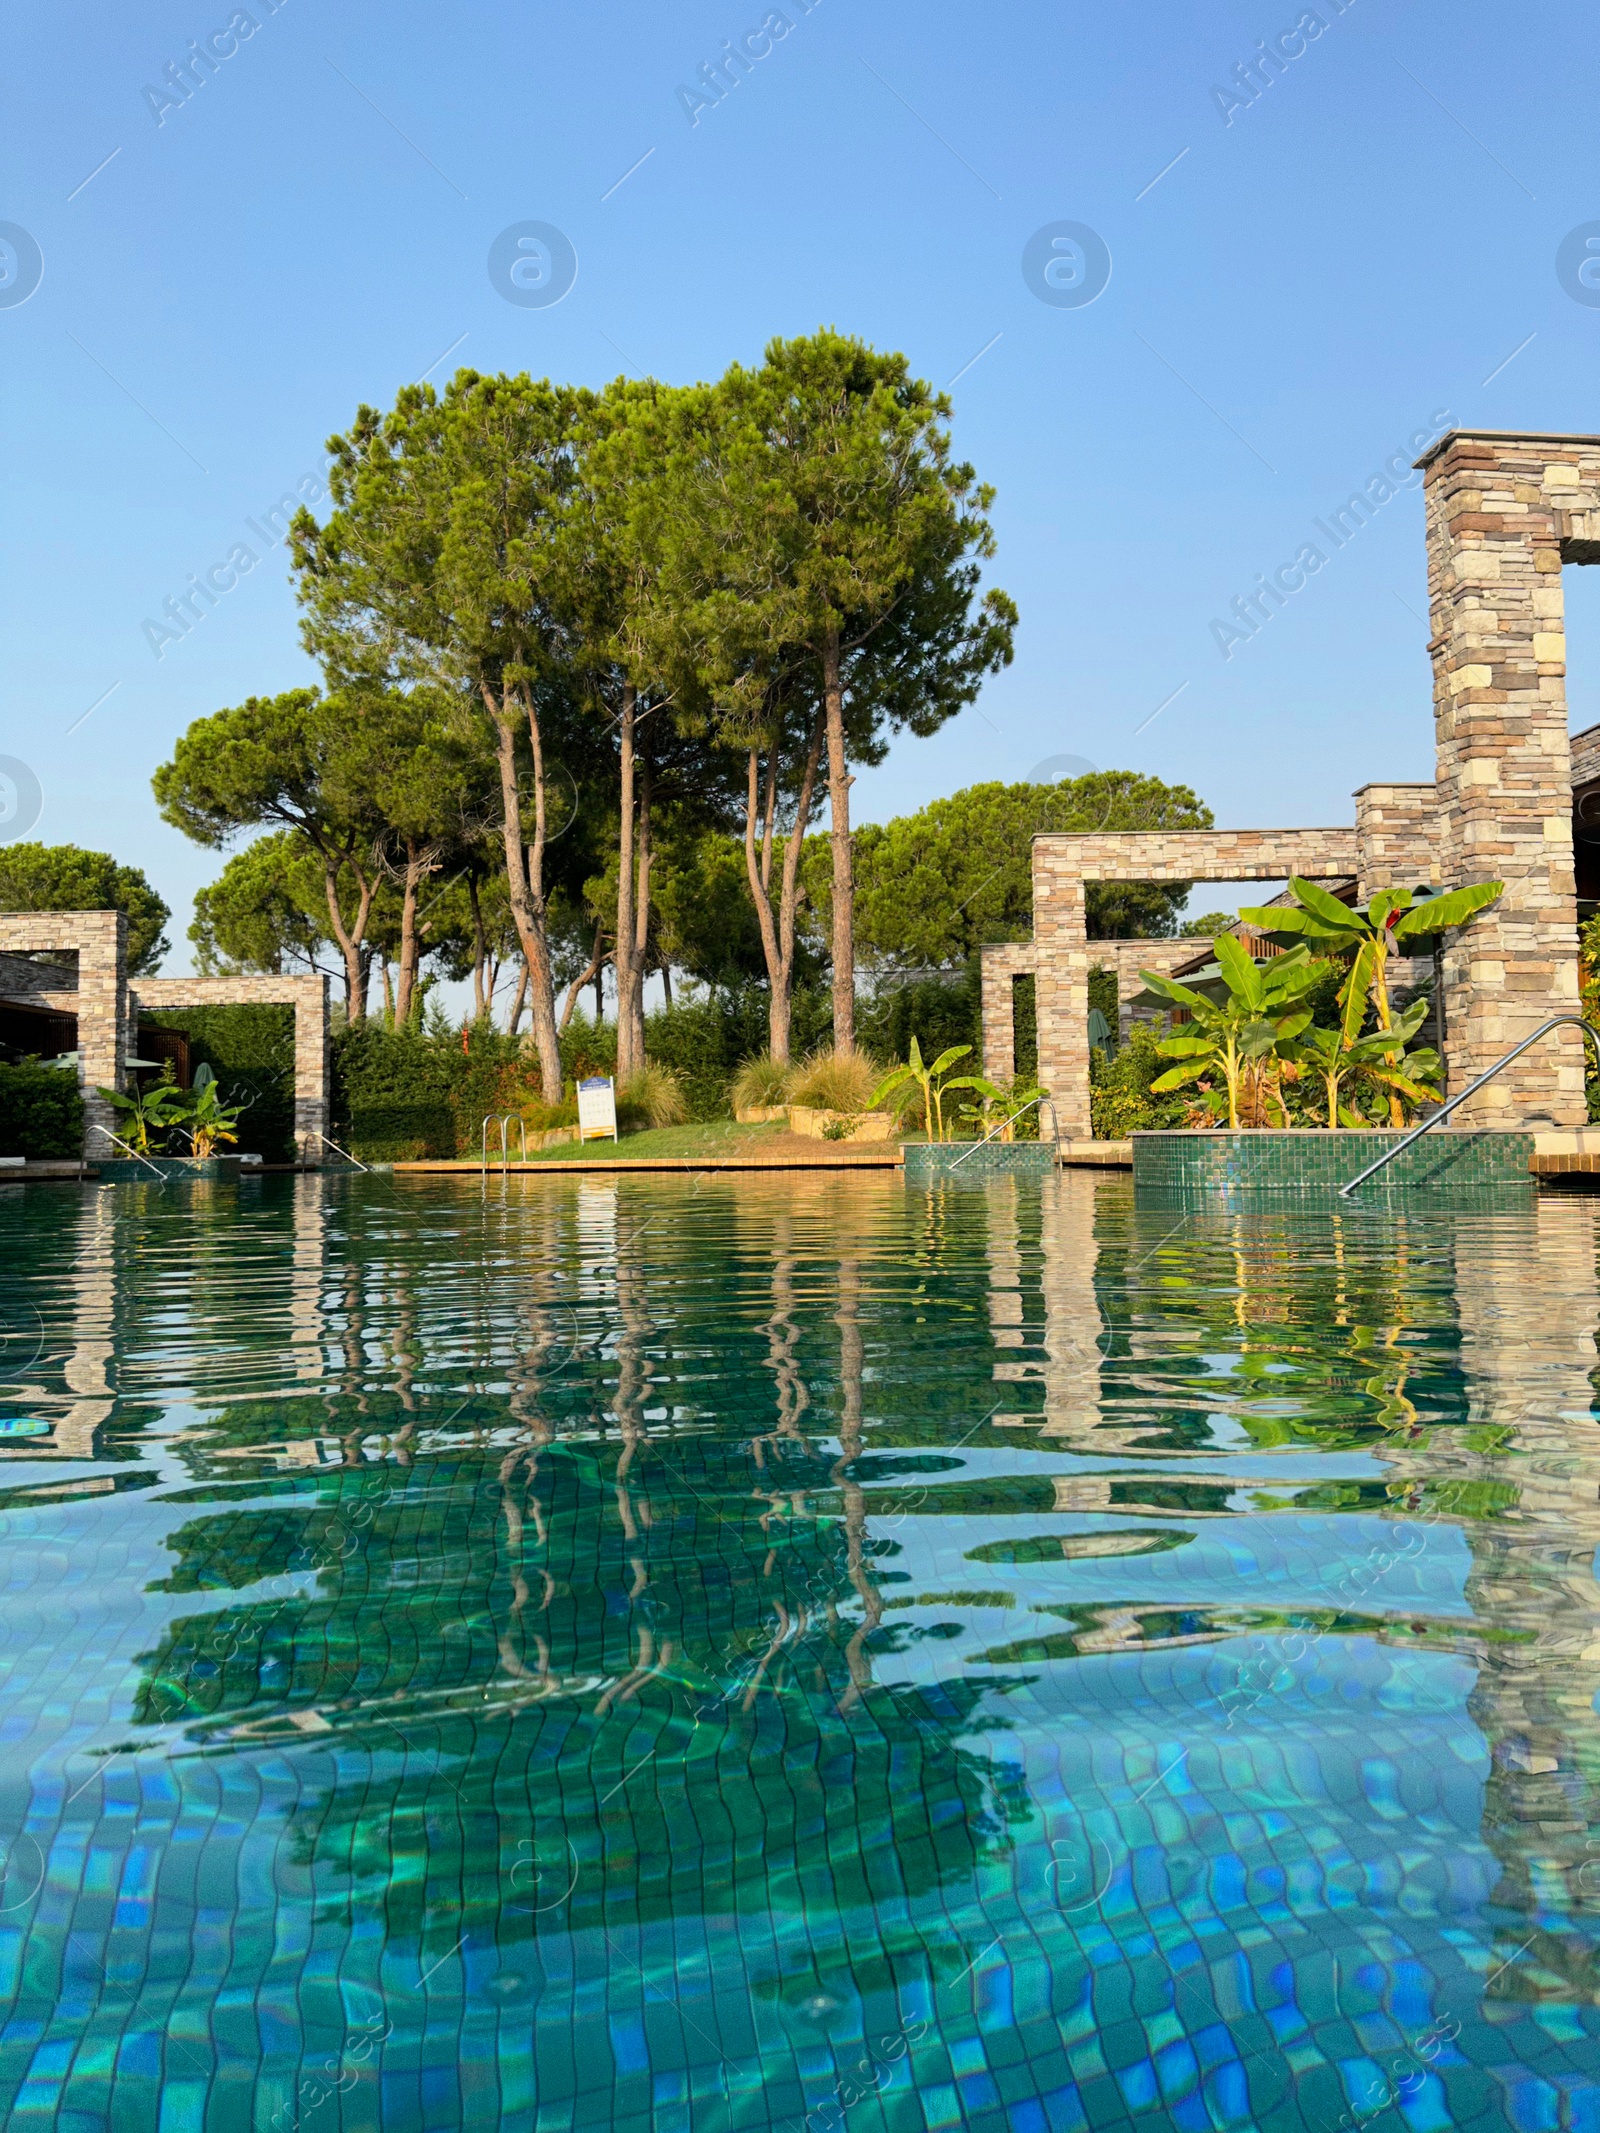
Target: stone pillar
column 1398, row 838
column 998, row 966
column 310, row 1069
column 1127, row 959
column 103, row 1021
column 1061, row 985
column 1501, row 512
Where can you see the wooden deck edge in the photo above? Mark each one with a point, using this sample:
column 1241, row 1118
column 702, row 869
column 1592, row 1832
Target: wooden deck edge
column 1095, row 1155
column 890, row 1159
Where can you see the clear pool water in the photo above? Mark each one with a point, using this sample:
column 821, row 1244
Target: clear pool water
column 736, row 1653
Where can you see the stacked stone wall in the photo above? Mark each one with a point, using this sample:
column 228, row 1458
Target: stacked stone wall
column 1503, row 513
column 1064, row 956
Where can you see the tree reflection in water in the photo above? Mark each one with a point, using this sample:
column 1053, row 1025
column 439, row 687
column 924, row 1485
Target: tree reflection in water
column 715, row 1640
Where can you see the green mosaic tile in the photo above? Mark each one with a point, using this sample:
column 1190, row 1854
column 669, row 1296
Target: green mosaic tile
column 1311, row 1166
column 958, row 1161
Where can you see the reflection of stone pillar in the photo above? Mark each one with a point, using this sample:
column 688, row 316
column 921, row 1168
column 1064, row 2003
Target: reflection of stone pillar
column 1072, row 1353
column 87, row 1370
column 307, row 1263
column 1003, row 1251
column 1526, row 1297
column 1501, row 513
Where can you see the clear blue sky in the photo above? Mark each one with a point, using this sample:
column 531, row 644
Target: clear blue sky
column 1308, row 285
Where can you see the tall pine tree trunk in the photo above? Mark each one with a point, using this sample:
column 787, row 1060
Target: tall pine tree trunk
column 349, row 938
column 777, row 927
column 525, row 882
column 641, row 908
column 480, row 955
column 410, row 946
column 844, row 887
column 627, row 965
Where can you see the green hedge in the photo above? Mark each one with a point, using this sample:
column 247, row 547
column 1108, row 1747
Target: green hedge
column 251, row 1052
column 400, row 1095
column 41, row 1112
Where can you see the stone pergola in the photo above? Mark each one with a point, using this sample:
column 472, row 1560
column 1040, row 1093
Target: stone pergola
column 107, row 1004
column 1504, row 512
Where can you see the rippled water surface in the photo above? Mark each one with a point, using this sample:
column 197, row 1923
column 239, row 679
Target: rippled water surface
column 737, row 1652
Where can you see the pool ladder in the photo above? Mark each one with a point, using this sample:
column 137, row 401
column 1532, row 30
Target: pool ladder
column 1438, row 1117
column 505, row 1120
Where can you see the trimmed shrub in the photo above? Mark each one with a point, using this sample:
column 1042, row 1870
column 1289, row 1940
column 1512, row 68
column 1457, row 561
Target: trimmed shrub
column 938, row 1012
column 41, row 1112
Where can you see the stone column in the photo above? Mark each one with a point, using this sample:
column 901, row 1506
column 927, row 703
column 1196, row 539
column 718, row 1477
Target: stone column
column 1398, row 838
column 1061, row 985
column 996, row 968
column 1500, row 512
column 310, row 1068
column 101, row 939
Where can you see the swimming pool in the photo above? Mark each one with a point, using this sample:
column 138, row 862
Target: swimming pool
column 737, row 1653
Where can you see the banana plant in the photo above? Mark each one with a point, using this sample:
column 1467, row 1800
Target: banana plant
column 1369, row 937
column 1010, row 1102
column 929, row 1079
column 207, row 1120
column 146, row 1114
column 1235, row 1040
column 1339, row 1055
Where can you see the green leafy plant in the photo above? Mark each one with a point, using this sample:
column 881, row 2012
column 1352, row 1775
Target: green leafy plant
column 1369, row 938
column 840, row 1129
column 931, row 1080
column 996, row 1109
column 1239, row 1041
column 652, row 1098
column 41, row 1111
column 1120, row 1101
column 208, row 1121
column 147, row 1116
column 1336, row 1056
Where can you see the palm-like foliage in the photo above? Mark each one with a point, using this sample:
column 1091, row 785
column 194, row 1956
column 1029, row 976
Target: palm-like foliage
column 1242, row 1039
column 147, row 1114
column 1369, row 938
column 207, row 1120
column 1337, row 1056
column 930, row 1079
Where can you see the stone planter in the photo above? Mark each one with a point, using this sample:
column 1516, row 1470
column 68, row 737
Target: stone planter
column 964, row 1162
column 136, row 1170
column 868, row 1126
column 1309, row 1166
column 760, row 1114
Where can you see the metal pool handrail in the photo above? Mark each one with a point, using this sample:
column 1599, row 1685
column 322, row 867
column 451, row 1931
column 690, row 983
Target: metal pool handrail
column 160, row 1175
column 1041, row 1098
column 502, row 1119
column 349, row 1158
column 1444, row 1110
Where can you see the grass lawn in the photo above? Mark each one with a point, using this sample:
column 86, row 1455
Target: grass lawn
column 720, row 1136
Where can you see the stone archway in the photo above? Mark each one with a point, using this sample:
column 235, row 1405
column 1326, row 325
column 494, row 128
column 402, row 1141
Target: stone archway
column 106, row 1004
